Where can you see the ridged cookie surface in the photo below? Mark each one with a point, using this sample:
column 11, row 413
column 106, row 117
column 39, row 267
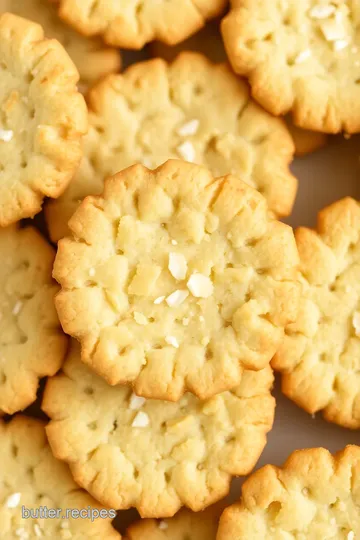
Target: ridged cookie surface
column 31, row 479
column 173, row 280
column 32, row 344
column 190, row 109
column 155, row 455
column 313, row 496
column 42, row 118
column 301, row 56
column 320, row 356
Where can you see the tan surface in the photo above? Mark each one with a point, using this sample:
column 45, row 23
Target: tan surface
column 320, row 354
column 175, row 232
column 32, row 477
column 91, row 57
column 41, row 122
column 313, row 496
column 184, row 525
column 299, row 60
column 133, row 24
column 157, row 456
column 32, row 343
column 153, row 102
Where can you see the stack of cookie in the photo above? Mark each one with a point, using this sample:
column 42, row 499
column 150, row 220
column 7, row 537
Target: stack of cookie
column 178, row 289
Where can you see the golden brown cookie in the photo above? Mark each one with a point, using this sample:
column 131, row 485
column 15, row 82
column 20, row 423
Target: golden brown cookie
column 133, row 24
column 300, row 57
column 42, row 118
column 313, row 496
column 32, row 344
column 90, row 56
column 155, row 455
column 190, row 109
column 320, row 356
column 173, row 280
column 306, row 141
column 185, row 524
column 38, row 494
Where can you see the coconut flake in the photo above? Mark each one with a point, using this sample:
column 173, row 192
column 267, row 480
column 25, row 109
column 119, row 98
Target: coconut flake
column 321, row 12
column 136, row 402
column 190, row 128
column 140, row 318
column 302, row 56
column 176, row 298
column 140, row 420
column 6, row 135
column 187, row 151
column 200, row 286
column 171, row 340
column 177, row 265
column 13, row 500
column 159, row 300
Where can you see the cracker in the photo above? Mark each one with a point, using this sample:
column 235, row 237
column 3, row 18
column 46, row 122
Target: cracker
column 185, row 524
column 91, row 57
column 133, row 24
column 41, row 122
column 320, row 356
column 155, row 455
column 191, row 109
column 313, row 495
column 300, row 57
column 32, row 478
column 32, row 343
column 174, row 281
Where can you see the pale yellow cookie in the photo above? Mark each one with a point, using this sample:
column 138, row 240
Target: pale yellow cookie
column 91, row 57
column 42, row 118
column 190, row 109
column 174, row 281
column 306, row 141
column 155, row 455
column 313, row 496
column 301, row 56
column 133, row 24
column 207, row 41
column 320, row 356
column 32, row 344
column 184, row 525
column 32, row 479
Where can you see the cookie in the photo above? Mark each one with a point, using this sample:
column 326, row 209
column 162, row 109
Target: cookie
column 173, row 280
column 300, row 57
column 31, row 479
column 155, row 455
column 133, row 25
column 320, row 356
column 91, row 57
column 306, row 141
column 190, row 109
column 314, row 495
column 185, row 524
column 32, row 343
column 41, row 122
column 207, row 41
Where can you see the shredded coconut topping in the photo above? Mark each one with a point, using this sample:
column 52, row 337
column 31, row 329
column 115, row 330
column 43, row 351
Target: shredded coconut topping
column 200, row 286
column 176, row 298
column 190, row 128
column 136, row 402
column 186, row 150
column 301, row 57
column 177, row 265
column 140, row 420
column 159, row 300
column 171, row 340
column 13, row 500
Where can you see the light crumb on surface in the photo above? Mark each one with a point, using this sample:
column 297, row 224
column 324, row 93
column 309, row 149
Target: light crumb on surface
column 322, row 11
column 190, row 128
column 13, row 500
column 302, row 56
column 186, row 150
column 177, row 266
column 136, row 402
column 356, row 323
column 159, row 300
column 176, row 298
column 163, row 525
column 200, row 286
column 140, row 318
column 17, row 308
column 172, row 340
column 6, row 135
column 141, row 420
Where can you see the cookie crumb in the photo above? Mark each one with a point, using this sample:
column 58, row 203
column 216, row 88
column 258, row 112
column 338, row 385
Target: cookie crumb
column 177, row 265
column 140, row 420
column 200, row 286
column 187, row 151
column 159, row 300
column 13, row 500
column 171, row 340
column 136, row 402
column 301, row 57
column 6, row 135
column 17, row 308
column 163, row 525
column 140, row 318
column 176, row 298
column 190, row 128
